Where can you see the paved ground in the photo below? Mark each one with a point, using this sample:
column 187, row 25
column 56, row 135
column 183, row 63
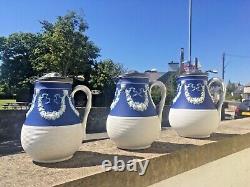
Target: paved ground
column 17, row 168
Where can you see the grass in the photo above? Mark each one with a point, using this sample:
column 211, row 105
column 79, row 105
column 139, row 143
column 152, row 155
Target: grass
column 4, row 101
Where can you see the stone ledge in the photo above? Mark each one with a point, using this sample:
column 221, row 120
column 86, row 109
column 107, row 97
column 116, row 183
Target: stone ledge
column 168, row 156
column 11, row 121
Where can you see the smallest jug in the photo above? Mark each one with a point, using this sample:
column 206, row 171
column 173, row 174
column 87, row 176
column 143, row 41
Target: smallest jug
column 52, row 131
column 133, row 122
column 193, row 113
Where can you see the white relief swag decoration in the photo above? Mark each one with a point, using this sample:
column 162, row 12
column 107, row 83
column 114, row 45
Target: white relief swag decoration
column 72, row 106
column 138, row 106
column 54, row 114
column 36, row 92
column 195, row 87
column 179, row 88
column 116, row 98
column 211, row 96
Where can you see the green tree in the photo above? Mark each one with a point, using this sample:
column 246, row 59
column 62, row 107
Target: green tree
column 16, row 55
column 65, row 48
column 169, row 79
column 171, row 87
column 104, row 73
column 231, row 87
column 230, row 92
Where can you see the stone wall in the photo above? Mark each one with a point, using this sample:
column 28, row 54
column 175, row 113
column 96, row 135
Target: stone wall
column 11, row 121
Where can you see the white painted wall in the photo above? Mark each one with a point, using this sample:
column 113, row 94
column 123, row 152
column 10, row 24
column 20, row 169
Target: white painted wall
column 246, row 89
column 230, row 171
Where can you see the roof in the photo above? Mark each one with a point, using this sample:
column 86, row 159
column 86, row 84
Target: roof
column 166, row 77
column 248, row 84
column 239, row 90
column 154, row 75
column 161, row 76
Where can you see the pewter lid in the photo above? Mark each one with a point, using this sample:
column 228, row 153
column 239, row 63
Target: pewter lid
column 133, row 74
column 197, row 73
column 55, row 77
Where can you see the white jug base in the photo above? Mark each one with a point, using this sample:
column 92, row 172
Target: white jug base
column 54, row 161
column 194, row 123
column 53, row 143
column 133, row 132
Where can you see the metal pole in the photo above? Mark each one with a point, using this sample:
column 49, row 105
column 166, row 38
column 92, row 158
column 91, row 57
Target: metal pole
column 223, row 66
column 190, row 32
column 181, row 61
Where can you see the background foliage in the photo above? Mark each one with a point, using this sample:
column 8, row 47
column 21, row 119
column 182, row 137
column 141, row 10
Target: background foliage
column 105, row 73
column 62, row 46
column 231, row 93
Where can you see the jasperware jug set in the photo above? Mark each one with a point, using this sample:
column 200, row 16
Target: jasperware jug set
column 53, row 131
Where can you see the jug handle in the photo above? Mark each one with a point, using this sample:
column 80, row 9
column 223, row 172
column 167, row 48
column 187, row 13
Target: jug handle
column 163, row 96
column 87, row 91
column 222, row 95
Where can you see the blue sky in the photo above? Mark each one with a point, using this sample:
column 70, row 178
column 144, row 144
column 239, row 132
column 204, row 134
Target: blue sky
column 146, row 34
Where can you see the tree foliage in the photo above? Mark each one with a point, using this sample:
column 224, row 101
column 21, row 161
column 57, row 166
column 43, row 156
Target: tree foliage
column 16, row 56
column 231, row 89
column 169, row 79
column 104, row 73
column 64, row 47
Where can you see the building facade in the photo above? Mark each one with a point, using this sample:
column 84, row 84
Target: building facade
column 246, row 91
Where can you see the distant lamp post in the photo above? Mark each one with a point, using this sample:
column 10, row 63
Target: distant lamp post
column 190, row 32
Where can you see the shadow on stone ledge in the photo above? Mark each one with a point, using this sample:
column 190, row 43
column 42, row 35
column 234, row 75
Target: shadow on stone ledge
column 218, row 136
column 87, row 159
column 163, row 147
column 166, row 147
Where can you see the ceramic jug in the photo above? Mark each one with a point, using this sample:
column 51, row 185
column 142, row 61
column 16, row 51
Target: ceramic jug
column 133, row 122
column 193, row 112
column 52, row 131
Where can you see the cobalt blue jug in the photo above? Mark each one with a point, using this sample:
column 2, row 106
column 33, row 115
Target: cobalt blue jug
column 193, row 112
column 53, row 131
column 133, row 122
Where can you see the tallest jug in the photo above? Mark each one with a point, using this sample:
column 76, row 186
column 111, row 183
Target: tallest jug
column 53, row 131
column 193, row 112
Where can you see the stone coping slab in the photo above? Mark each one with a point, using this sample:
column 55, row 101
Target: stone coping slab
column 168, row 156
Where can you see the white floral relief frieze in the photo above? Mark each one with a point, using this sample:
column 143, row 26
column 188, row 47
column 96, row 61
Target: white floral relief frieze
column 54, row 114
column 211, row 96
column 179, row 88
column 195, row 88
column 72, row 106
column 56, row 99
column 116, row 98
column 132, row 92
column 36, row 92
